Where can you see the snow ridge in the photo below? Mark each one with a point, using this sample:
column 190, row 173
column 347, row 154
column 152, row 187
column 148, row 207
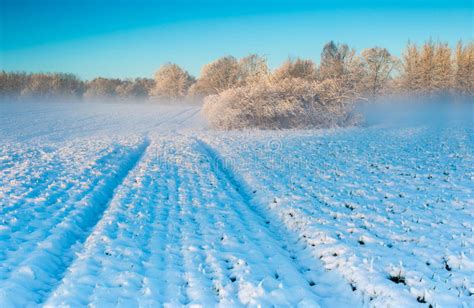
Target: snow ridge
column 309, row 268
column 179, row 233
column 44, row 267
column 92, row 213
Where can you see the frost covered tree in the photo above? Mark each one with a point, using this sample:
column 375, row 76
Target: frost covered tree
column 172, row 82
column 144, row 86
column 54, row 85
column 427, row 70
column 443, row 71
column 431, row 69
column 378, row 65
column 252, row 69
column 135, row 89
column 339, row 62
column 40, row 85
column 298, row 68
column 336, row 60
column 102, row 88
column 410, row 79
column 67, row 85
column 12, row 84
column 216, row 77
column 464, row 69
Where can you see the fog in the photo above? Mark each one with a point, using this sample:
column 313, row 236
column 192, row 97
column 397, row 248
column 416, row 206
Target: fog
column 60, row 120
column 415, row 112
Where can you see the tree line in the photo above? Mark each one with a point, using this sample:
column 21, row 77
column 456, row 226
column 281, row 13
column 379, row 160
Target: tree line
column 68, row 86
column 430, row 69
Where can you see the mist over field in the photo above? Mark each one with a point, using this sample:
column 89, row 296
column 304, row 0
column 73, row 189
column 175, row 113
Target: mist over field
column 156, row 205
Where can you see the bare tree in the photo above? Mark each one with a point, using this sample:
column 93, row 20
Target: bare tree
column 378, row 65
column 172, row 82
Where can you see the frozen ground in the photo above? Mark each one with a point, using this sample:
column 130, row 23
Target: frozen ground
column 142, row 205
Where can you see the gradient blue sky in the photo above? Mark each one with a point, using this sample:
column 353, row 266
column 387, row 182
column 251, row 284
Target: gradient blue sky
column 133, row 38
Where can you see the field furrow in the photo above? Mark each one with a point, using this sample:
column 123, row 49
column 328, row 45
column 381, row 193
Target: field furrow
column 143, row 205
column 179, row 232
column 36, row 266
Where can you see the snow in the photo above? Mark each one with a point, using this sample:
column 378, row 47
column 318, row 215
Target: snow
column 143, row 205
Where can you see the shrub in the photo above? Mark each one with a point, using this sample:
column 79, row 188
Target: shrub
column 284, row 103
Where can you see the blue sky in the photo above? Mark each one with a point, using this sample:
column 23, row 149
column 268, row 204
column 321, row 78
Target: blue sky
column 133, row 38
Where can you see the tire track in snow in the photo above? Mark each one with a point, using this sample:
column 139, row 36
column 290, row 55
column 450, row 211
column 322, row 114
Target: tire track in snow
column 121, row 239
column 295, row 220
column 196, row 242
column 124, row 254
column 27, row 188
column 175, row 116
column 156, row 264
column 36, row 276
column 318, row 212
column 314, row 275
column 41, row 218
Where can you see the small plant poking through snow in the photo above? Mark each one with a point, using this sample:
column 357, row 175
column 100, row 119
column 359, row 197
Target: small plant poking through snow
column 397, row 275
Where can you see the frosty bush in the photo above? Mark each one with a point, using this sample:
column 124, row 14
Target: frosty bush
column 284, row 103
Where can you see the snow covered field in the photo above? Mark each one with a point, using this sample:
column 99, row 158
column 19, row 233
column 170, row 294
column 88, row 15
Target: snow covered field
column 142, row 205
